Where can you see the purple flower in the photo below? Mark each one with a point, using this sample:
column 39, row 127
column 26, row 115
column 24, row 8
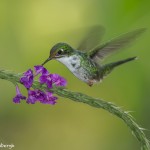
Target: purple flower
column 58, row 80
column 50, row 99
column 27, row 78
column 47, row 80
column 18, row 96
column 50, row 79
column 38, row 95
column 40, row 70
column 35, row 95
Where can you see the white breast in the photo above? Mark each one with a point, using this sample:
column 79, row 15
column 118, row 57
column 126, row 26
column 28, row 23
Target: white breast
column 73, row 64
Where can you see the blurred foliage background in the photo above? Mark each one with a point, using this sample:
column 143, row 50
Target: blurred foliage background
column 27, row 31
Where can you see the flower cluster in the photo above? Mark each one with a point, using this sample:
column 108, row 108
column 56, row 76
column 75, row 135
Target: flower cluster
column 36, row 95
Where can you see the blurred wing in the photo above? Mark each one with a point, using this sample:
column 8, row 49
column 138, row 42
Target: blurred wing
column 92, row 38
column 100, row 52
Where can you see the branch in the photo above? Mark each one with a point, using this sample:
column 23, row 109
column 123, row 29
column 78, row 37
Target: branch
column 97, row 103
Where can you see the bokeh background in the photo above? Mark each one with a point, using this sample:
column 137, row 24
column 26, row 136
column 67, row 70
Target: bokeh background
column 28, row 28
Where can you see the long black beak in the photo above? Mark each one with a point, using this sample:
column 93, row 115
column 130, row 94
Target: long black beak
column 46, row 61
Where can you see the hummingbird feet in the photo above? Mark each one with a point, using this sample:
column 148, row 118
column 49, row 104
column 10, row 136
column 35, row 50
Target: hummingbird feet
column 90, row 83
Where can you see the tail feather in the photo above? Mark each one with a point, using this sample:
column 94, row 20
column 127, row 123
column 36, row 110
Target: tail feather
column 106, row 69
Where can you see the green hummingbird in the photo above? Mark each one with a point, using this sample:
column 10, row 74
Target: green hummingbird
column 86, row 65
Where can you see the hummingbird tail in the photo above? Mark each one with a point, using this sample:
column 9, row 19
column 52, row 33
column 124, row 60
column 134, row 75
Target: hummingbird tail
column 106, row 69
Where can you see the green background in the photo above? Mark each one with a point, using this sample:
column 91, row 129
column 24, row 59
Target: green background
column 27, row 31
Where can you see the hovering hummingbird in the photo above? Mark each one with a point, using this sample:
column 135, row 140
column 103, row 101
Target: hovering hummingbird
column 86, row 65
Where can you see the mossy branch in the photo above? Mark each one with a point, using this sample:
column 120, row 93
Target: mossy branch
column 94, row 102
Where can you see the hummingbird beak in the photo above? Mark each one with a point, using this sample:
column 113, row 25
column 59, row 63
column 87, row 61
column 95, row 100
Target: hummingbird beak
column 46, row 61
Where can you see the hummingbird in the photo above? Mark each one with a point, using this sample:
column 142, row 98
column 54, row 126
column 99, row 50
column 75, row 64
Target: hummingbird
column 87, row 65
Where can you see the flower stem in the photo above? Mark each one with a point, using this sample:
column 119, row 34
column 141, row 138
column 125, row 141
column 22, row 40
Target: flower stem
column 97, row 103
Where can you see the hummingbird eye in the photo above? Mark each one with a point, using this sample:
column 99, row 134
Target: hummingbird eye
column 60, row 51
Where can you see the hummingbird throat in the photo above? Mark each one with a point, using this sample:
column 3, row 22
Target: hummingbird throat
column 72, row 62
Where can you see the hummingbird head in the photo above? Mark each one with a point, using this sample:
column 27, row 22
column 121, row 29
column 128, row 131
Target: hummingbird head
column 59, row 50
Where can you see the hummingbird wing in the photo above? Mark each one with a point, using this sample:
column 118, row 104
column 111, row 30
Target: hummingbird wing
column 92, row 38
column 101, row 51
